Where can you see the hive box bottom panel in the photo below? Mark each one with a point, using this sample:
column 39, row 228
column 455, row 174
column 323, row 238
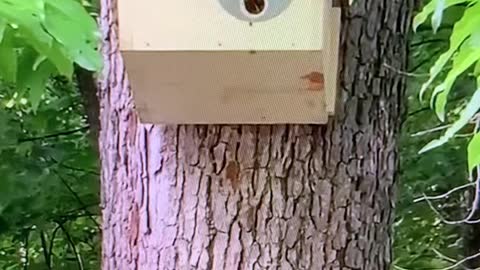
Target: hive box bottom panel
column 262, row 87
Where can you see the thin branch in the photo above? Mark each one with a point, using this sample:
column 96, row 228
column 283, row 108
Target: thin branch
column 425, row 28
column 445, row 195
column 81, row 208
column 421, row 133
column 52, row 239
column 404, row 72
column 419, row 65
column 26, row 247
column 446, row 258
column 466, row 259
column 79, row 169
column 74, row 168
column 426, row 108
column 423, row 62
column 467, row 135
column 72, row 245
column 70, row 189
column 443, row 256
column 73, row 216
column 55, row 135
column 46, row 254
column 475, row 204
column 428, row 41
column 452, row 222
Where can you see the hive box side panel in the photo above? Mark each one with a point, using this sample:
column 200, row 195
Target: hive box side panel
column 205, row 26
column 226, row 87
column 331, row 63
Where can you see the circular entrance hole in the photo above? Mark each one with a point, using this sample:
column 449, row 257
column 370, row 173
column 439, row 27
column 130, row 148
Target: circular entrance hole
column 254, row 7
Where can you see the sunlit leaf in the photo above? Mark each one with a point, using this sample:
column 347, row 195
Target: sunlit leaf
column 476, row 70
column 33, row 81
column 37, row 82
column 470, row 110
column 465, row 58
column 60, row 30
column 28, row 15
column 475, row 38
column 3, row 26
column 68, row 22
column 461, row 31
column 437, row 14
column 8, row 63
column 8, row 58
column 421, row 17
column 474, row 152
column 57, row 55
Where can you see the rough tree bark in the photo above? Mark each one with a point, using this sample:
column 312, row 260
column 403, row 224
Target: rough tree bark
column 260, row 197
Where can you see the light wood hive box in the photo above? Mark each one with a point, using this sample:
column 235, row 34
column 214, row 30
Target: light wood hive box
column 192, row 62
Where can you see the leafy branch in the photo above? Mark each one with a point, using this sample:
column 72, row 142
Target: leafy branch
column 44, row 38
column 461, row 58
column 464, row 52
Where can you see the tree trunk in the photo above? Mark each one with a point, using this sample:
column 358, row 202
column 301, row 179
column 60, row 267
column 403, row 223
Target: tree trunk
column 260, row 197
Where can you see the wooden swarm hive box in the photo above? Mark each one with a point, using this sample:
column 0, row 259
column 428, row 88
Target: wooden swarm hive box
column 193, row 62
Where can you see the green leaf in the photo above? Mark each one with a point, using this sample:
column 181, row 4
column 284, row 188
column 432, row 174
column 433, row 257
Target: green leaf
column 474, row 152
column 8, row 58
column 465, row 58
column 476, row 70
column 37, row 82
column 430, row 8
column 60, row 30
column 475, row 38
column 470, row 110
column 3, row 26
column 69, row 23
column 437, row 15
column 33, row 81
column 57, row 55
column 38, row 61
column 8, row 63
column 28, row 15
column 24, row 148
column 461, row 31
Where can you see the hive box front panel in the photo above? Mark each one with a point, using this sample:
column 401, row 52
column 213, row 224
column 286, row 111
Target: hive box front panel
column 192, row 62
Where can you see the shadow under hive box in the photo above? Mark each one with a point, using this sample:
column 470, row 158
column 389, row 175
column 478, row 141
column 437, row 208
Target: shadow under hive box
column 191, row 62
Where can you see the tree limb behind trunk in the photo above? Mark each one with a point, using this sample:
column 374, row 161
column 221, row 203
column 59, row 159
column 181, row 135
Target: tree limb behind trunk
column 87, row 86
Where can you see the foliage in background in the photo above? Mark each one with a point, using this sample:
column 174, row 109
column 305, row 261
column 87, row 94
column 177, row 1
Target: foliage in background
column 423, row 239
column 49, row 181
column 44, row 38
column 463, row 55
column 49, row 172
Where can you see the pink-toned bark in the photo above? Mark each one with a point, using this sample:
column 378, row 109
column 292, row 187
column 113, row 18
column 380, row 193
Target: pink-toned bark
column 259, row 197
